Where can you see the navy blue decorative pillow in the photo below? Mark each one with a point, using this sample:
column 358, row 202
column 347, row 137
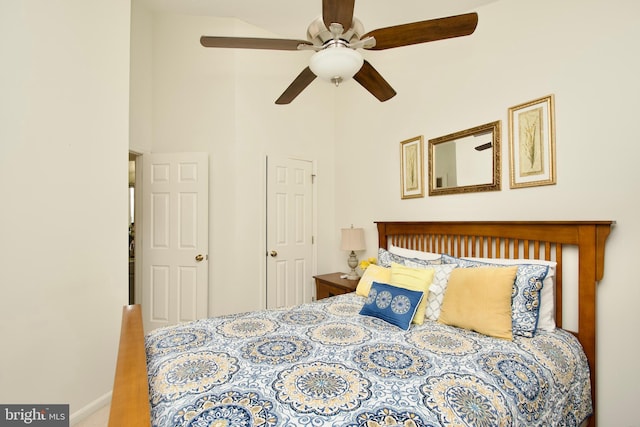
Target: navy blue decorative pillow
column 392, row 304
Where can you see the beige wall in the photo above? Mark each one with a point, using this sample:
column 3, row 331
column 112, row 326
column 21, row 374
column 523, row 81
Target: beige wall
column 64, row 82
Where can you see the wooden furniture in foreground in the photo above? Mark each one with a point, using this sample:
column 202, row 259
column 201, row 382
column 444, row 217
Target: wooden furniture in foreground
column 494, row 239
column 328, row 285
column 130, row 399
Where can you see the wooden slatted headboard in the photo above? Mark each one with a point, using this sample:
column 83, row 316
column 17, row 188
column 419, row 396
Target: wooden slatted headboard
column 544, row 240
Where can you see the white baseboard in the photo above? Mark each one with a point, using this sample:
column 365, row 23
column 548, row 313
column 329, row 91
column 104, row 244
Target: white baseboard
column 89, row 409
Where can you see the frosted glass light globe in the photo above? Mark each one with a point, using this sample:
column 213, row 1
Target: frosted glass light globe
column 336, row 64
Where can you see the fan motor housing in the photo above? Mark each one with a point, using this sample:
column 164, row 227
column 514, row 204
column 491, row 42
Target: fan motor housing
column 319, row 34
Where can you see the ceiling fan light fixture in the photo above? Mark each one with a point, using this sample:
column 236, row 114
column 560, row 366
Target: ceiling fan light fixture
column 336, row 63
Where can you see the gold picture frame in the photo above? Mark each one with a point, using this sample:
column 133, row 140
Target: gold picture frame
column 412, row 168
column 532, row 144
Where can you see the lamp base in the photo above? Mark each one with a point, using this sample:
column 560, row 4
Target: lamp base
column 352, row 262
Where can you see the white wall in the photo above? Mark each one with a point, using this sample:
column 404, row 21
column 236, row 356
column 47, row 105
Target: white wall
column 584, row 52
column 64, row 82
column 141, row 78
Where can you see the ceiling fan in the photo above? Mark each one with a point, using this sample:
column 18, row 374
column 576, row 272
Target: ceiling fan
column 335, row 37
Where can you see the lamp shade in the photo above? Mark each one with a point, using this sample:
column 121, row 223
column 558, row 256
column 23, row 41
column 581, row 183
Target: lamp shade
column 352, row 239
column 336, row 64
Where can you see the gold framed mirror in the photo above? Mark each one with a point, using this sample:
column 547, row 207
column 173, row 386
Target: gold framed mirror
column 465, row 162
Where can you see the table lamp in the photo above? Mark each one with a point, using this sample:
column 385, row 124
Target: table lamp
column 352, row 240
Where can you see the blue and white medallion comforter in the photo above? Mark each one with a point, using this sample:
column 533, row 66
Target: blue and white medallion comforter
column 324, row 364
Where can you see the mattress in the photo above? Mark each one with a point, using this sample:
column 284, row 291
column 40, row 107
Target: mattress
column 324, row 364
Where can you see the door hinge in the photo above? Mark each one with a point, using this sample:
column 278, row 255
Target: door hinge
column 313, row 178
column 313, row 240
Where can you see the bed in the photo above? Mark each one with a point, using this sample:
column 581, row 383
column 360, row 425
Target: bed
column 324, row 363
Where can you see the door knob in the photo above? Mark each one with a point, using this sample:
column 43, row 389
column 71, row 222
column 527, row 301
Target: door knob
column 199, row 257
column 273, row 253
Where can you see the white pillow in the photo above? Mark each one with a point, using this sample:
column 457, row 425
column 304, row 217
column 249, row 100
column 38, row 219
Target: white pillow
column 547, row 314
column 412, row 253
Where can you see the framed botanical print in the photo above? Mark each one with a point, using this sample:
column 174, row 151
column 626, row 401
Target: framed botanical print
column 412, row 168
column 532, row 145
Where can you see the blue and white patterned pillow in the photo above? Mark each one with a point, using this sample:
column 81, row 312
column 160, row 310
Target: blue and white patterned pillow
column 385, row 258
column 525, row 295
column 392, row 304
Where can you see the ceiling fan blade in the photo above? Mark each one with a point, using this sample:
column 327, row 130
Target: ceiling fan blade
column 252, row 43
column 372, row 81
column 338, row 11
column 303, row 80
column 424, row 31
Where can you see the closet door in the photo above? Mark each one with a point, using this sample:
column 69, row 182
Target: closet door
column 175, row 238
column 289, row 232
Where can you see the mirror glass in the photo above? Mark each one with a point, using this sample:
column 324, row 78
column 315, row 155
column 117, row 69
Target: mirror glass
column 466, row 161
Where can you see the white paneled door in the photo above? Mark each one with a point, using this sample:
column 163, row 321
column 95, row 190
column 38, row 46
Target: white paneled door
column 289, row 232
column 175, row 238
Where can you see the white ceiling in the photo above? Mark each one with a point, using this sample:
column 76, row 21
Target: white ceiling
column 290, row 18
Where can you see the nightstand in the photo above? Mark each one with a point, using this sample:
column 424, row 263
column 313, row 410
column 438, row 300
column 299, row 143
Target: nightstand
column 328, row 285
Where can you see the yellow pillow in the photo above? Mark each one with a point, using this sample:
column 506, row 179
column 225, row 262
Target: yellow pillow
column 373, row 273
column 414, row 279
column 479, row 299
